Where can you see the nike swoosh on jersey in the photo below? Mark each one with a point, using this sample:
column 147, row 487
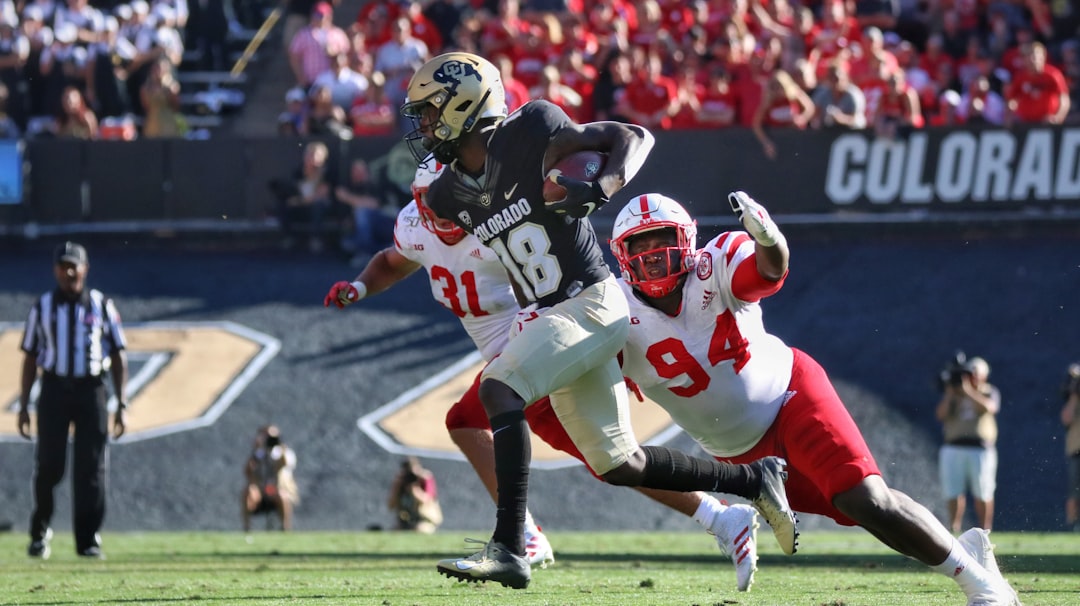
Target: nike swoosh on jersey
column 510, row 192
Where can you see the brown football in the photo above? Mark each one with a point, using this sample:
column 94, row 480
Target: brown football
column 582, row 165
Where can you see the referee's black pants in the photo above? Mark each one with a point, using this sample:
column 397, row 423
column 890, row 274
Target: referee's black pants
column 83, row 403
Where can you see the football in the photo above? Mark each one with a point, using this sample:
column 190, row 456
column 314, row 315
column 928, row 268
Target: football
column 582, row 165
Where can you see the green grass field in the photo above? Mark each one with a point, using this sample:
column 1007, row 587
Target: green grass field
column 398, row 569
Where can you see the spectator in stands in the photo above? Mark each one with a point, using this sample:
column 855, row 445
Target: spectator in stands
column 325, row 118
column 719, row 104
column 980, row 104
column 838, row 103
column 76, row 120
column 8, row 128
column 206, row 31
column 271, row 485
column 531, row 52
column 63, row 64
column 297, row 16
column 293, row 121
column 160, row 96
column 376, row 20
column 517, row 94
column 650, row 99
column 305, row 201
column 399, row 58
column 689, row 93
column 946, row 112
column 423, row 29
column 834, row 37
column 898, row 111
column 414, row 498
column 88, row 21
column 551, row 88
column 499, row 34
column 373, row 221
column 345, row 85
column 14, row 51
column 40, row 38
column 107, row 69
column 783, row 105
column 445, row 16
column 313, row 45
column 372, row 114
column 968, row 460
column 610, row 88
column 1039, row 93
column 580, row 76
column 155, row 36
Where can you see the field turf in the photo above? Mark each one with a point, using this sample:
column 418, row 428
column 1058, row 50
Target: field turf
column 398, row 569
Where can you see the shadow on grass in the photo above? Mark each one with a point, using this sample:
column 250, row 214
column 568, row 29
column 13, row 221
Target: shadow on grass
column 1028, row 563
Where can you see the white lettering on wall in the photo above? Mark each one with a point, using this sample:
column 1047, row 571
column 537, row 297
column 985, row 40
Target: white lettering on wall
column 970, row 166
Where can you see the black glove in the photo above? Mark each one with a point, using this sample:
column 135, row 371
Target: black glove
column 582, row 198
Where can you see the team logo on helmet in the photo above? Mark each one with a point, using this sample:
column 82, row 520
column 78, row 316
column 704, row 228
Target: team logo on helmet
column 465, row 218
column 704, row 266
column 453, row 72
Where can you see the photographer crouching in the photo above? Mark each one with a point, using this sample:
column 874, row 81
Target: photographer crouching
column 968, row 459
column 414, row 498
column 1070, row 418
column 271, row 487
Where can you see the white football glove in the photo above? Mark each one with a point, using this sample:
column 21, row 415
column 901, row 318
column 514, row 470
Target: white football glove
column 755, row 219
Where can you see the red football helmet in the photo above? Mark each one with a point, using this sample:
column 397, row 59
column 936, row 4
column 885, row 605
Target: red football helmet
column 445, row 229
column 647, row 213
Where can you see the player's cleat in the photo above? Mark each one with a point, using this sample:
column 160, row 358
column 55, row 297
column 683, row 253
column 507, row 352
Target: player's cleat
column 40, row 547
column 976, row 541
column 735, row 530
column 537, row 548
column 996, row 593
column 772, row 503
column 492, row 563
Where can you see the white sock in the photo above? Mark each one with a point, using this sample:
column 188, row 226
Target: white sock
column 707, row 511
column 962, row 568
column 530, row 524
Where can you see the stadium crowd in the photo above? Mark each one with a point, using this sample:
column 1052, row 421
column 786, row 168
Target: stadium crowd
column 889, row 65
column 74, row 68
column 102, row 68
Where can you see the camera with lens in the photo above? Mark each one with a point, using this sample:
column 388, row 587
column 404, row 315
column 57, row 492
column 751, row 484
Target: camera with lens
column 954, row 372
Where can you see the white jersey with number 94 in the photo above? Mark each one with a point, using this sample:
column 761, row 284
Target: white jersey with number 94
column 713, row 367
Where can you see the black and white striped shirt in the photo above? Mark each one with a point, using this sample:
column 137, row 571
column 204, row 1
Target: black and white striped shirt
column 73, row 338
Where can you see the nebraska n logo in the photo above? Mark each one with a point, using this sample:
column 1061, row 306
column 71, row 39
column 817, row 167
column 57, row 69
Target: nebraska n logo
column 412, row 424
column 181, row 375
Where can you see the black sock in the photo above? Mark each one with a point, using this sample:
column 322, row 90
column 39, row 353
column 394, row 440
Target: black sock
column 513, row 451
column 669, row 469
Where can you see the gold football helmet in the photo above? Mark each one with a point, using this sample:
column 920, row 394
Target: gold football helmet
column 446, row 99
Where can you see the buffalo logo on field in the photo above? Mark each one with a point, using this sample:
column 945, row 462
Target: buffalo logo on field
column 181, row 375
column 412, row 423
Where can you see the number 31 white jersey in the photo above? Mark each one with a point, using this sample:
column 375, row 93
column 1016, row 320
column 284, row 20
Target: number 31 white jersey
column 713, row 367
column 466, row 278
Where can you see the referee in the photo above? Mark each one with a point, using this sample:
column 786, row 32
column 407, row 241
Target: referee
column 73, row 334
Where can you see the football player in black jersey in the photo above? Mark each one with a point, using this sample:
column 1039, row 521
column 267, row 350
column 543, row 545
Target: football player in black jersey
column 574, row 317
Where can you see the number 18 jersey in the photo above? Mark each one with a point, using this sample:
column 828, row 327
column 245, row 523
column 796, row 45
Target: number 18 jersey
column 713, row 367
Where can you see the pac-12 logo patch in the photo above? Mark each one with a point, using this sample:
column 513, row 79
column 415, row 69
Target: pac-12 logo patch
column 704, row 266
